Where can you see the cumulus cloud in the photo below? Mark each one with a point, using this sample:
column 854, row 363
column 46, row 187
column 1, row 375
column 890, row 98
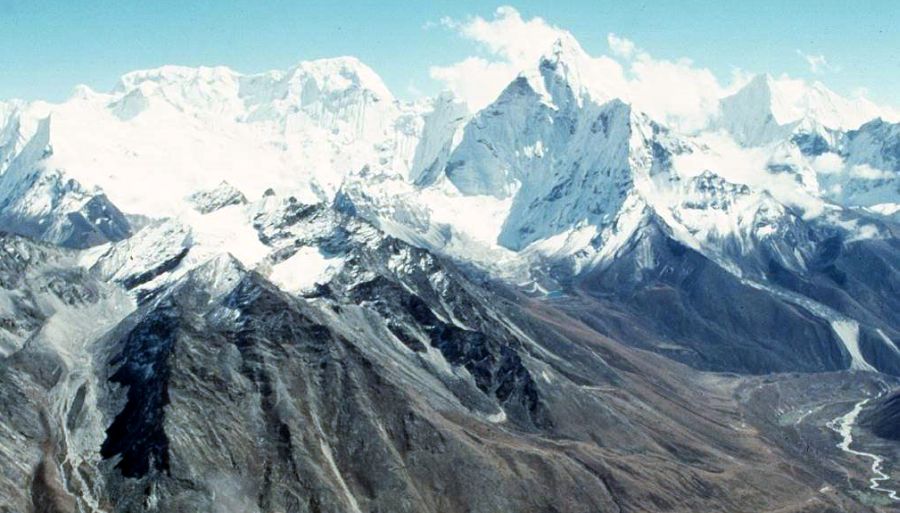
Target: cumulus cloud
column 690, row 96
column 512, row 38
column 737, row 164
column 475, row 80
column 676, row 92
column 620, row 46
column 817, row 63
column 828, row 163
column 866, row 172
column 512, row 44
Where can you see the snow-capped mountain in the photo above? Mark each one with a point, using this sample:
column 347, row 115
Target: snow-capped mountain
column 555, row 170
column 299, row 130
column 871, row 174
column 373, row 294
column 40, row 200
column 825, row 141
column 768, row 109
column 554, row 150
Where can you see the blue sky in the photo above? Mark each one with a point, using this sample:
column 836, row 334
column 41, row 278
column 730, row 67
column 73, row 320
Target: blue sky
column 47, row 47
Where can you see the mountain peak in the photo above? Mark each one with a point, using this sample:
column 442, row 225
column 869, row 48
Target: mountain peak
column 563, row 72
column 340, row 73
column 767, row 109
column 186, row 86
column 38, row 146
column 565, row 49
column 172, row 74
column 760, row 87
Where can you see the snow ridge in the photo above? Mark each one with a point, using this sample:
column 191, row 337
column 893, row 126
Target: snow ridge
column 556, row 168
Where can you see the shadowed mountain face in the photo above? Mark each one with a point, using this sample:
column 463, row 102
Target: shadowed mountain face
column 694, row 311
column 883, row 417
column 679, row 300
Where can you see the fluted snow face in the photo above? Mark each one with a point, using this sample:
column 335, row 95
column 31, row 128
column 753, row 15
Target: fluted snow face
column 565, row 160
column 199, row 91
column 748, row 116
column 767, row 110
column 339, row 95
column 578, row 171
column 441, row 131
column 556, row 165
column 165, row 133
column 38, row 200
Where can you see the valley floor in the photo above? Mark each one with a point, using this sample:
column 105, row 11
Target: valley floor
column 812, row 417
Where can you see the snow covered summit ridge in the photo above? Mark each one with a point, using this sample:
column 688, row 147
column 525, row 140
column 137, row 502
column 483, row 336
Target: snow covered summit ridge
column 557, row 163
column 767, row 109
column 160, row 135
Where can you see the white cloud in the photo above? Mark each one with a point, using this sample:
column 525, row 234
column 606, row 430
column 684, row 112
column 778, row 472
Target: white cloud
column 475, row 80
column 828, row 163
column 739, row 78
column 678, row 92
column 620, row 46
column 719, row 153
column 867, row 172
column 514, row 44
column 817, row 63
column 413, row 91
column 512, row 38
column 675, row 92
column 449, row 23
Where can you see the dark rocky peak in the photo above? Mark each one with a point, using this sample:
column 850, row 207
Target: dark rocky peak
column 222, row 195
